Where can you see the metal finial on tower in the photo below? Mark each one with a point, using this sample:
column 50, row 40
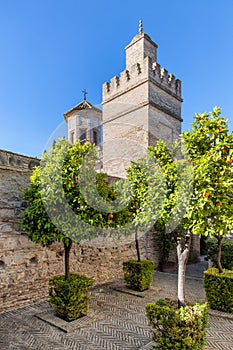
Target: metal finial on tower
column 84, row 94
column 140, row 27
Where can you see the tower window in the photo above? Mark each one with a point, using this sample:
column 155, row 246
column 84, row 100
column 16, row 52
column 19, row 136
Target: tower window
column 83, row 135
column 72, row 137
column 95, row 137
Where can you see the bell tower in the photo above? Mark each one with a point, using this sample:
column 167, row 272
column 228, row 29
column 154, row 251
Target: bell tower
column 84, row 123
column 140, row 106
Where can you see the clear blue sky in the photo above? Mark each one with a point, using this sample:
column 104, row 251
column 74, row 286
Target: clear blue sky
column 52, row 49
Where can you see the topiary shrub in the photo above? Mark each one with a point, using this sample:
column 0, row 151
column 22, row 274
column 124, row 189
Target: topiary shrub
column 138, row 275
column 219, row 289
column 227, row 252
column 69, row 299
column 177, row 329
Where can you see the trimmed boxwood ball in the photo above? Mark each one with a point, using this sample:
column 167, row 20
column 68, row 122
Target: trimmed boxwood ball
column 138, row 275
column 69, row 299
column 219, row 289
column 177, row 329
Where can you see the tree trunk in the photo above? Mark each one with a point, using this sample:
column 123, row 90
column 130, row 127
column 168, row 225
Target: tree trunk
column 137, row 245
column 182, row 255
column 67, row 259
column 219, row 252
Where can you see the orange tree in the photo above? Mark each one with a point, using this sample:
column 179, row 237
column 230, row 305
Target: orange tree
column 165, row 157
column 144, row 193
column 161, row 185
column 68, row 200
column 210, row 149
column 170, row 226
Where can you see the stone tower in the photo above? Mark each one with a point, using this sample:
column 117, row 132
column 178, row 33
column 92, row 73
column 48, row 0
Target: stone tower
column 84, row 123
column 140, row 107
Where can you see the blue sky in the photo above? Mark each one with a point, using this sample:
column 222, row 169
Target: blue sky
column 52, row 49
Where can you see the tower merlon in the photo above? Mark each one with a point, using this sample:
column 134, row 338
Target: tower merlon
column 115, row 82
column 125, row 76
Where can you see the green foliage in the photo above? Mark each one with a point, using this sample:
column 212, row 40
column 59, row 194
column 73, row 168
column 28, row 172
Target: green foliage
column 158, row 192
column 59, row 206
column 177, row 329
column 219, row 289
column 210, row 149
column 227, row 252
column 138, row 274
column 144, row 192
column 163, row 156
column 146, row 188
column 35, row 219
column 70, row 299
column 178, row 183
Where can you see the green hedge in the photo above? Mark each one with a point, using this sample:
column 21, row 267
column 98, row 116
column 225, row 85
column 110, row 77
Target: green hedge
column 69, row 299
column 219, row 289
column 227, row 252
column 177, row 329
column 138, row 275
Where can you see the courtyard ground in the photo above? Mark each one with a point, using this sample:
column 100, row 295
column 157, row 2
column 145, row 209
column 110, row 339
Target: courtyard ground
column 116, row 321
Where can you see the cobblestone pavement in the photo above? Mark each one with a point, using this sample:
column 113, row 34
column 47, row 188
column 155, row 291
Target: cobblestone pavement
column 117, row 319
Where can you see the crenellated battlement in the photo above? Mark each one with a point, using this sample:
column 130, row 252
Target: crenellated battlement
column 167, row 81
column 137, row 74
column 16, row 161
